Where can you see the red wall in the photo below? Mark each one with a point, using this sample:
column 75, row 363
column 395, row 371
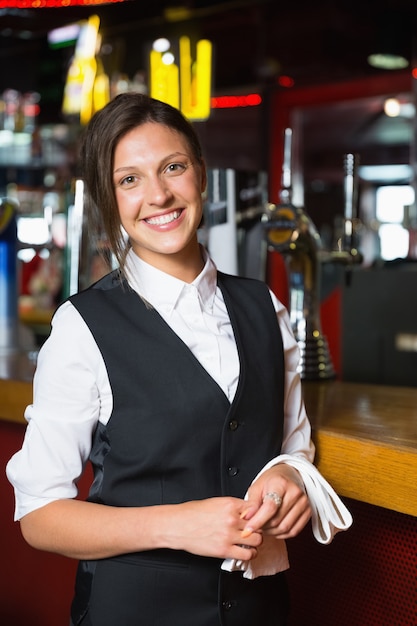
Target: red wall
column 366, row 577
column 36, row 587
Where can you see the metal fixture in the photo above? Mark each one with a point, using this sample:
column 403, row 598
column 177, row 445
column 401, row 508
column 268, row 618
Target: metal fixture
column 291, row 232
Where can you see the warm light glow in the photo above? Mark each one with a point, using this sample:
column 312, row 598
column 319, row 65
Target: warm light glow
column 185, row 84
column 177, row 13
column 195, row 79
column 168, row 58
column 48, row 4
column 392, row 107
column 285, row 81
column 161, row 45
column 87, row 88
column 233, row 102
column 164, row 84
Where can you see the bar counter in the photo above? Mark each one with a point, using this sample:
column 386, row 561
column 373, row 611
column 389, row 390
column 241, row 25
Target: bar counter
column 16, row 373
column 366, row 439
column 366, row 435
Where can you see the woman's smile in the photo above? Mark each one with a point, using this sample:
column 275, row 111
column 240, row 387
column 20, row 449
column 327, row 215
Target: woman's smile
column 163, row 220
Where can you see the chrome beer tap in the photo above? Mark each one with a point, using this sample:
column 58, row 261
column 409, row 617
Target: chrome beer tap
column 291, row 232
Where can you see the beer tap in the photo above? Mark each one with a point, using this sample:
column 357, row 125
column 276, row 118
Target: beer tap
column 290, row 232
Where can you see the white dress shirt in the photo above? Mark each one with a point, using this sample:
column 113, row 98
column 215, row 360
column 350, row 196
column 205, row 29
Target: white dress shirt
column 72, row 391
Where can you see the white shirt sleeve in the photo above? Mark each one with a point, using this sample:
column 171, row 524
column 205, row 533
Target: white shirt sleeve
column 71, row 393
column 297, row 429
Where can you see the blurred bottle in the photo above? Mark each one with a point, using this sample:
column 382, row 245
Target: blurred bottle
column 8, row 276
column 11, row 99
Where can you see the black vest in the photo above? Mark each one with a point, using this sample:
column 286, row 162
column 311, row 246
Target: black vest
column 173, row 434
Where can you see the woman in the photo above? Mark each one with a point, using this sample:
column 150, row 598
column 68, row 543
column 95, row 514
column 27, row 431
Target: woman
column 179, row 384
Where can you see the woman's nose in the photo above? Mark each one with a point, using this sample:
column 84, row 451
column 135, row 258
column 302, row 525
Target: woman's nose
column 158, row 191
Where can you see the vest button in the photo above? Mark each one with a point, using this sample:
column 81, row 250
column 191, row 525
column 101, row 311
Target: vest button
column 233, row 471
column 228, row 604
column 233, row 425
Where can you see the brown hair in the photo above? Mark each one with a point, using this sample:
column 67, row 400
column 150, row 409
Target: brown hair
column 124, row 113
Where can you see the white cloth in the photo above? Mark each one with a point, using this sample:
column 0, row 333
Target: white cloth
column 72, row 391
column 329, row 516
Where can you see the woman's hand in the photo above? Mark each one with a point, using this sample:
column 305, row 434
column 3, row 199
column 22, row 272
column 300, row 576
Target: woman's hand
column 221, row 527
column 85, row 530
column 212, row 527
column 283, row 519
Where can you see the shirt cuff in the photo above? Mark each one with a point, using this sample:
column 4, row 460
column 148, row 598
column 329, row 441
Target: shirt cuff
column 329, row 516
column 328, row 513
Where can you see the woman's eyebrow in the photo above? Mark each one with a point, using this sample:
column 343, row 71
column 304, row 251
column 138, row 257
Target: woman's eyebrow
column 124, row 168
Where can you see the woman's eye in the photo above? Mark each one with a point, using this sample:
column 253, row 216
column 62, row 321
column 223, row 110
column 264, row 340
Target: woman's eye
column 175, row 168
column 128, row 180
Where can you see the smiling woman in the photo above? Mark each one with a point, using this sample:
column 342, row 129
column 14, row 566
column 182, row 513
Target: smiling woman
column 179, row 384
column 124, row 174
column 159, row 194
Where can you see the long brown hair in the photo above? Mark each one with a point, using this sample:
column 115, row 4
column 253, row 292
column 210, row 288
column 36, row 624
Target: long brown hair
column 124, row 113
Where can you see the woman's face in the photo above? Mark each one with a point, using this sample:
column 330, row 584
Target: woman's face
column 158, row 185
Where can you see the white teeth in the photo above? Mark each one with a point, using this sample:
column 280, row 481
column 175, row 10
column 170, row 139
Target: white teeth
column 164, row 219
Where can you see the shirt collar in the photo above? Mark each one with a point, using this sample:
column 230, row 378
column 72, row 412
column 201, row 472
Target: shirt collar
column 162, row 290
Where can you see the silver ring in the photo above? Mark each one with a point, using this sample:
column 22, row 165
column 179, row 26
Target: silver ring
column 275, row 497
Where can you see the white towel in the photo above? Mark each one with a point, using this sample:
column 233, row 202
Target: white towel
column 329, row 516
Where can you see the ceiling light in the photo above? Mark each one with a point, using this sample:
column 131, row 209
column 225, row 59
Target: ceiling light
column 49, row 4
column 385, row 173
column 392, row 42
column 161, row 45
column 386, row 61
column 168, row 58
column 392, row 107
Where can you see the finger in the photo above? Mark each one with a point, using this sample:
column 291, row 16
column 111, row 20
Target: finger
column 269, row 509
column 292, row 530
column 243, row 553
column 290, row 524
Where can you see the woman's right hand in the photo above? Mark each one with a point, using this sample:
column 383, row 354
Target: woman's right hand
column 85, row 530
column 212, row 527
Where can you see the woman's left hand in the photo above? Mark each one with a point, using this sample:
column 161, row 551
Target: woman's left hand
column 277, row 504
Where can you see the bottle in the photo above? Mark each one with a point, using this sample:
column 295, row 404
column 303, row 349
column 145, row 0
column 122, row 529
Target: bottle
column 8, row 276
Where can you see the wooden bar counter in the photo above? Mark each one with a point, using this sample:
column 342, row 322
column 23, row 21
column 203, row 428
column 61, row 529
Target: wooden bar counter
column 366, row 438
column 16, row 373
column 366, row 435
